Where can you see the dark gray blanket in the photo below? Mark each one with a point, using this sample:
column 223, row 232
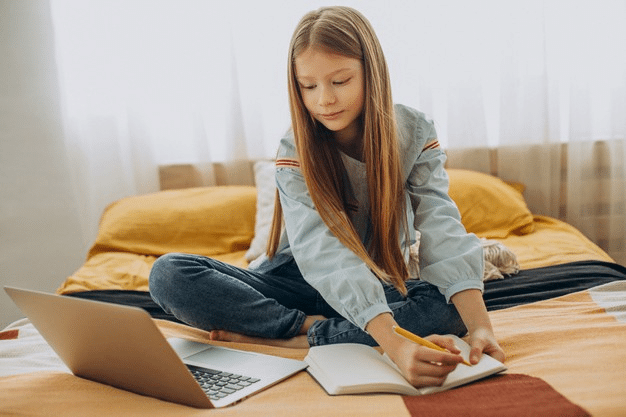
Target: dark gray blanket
column 527, row 286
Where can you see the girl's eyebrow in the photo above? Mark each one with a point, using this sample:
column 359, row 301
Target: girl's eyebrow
column 308, row 77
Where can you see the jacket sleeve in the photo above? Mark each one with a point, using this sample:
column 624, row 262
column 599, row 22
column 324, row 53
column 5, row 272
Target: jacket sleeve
column 341, row 277
column 449, row 257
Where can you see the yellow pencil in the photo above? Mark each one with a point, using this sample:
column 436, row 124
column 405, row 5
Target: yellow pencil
column 416, row 339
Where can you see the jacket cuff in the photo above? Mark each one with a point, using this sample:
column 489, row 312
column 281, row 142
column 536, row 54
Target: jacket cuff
column 366, row 316
column 462, row 286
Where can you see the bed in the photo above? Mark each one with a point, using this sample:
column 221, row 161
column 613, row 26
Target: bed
column 561, row 319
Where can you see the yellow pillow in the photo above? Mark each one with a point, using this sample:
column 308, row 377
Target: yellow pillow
column 206, row 221
column 489, row 207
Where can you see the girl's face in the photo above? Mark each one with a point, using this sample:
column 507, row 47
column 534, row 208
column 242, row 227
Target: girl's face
column 333, row 93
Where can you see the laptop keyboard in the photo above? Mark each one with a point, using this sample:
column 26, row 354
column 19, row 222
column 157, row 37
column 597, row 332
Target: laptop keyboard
column 217, row 384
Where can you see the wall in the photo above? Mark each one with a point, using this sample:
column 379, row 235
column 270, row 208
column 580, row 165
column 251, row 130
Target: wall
column 40, row 236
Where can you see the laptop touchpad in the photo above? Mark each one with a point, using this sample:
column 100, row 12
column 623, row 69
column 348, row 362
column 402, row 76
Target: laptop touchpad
column 217, row 358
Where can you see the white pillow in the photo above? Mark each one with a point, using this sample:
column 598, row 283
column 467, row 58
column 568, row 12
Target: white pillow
column 265, row 181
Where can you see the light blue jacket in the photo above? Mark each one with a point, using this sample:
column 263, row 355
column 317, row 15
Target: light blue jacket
column 449, row 257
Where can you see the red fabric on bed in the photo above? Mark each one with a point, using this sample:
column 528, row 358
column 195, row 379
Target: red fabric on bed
column 9, row 334
column 511, row 395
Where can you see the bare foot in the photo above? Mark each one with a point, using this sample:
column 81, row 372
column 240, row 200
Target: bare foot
column 297, row 342
column 308, row 322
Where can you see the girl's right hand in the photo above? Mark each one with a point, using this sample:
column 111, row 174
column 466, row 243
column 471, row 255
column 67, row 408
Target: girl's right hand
column 422, row 366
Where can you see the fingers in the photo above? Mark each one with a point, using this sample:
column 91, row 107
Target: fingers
column 426, row 381
column 444, row 342
column 431, row 373
column 428, row 367
column 485, row 342
column 438, row 357
column 475, row 354
column 495, row 352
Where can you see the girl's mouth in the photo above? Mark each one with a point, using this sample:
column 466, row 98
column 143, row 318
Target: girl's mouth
column 331, row 116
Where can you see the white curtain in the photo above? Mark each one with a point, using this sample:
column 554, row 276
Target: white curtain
column 152, row 82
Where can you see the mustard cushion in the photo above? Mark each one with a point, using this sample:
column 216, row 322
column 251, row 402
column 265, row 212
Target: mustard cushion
column 489, row 207
column 205, row 221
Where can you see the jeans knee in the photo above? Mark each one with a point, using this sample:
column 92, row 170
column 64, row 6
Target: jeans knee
column 163, row 275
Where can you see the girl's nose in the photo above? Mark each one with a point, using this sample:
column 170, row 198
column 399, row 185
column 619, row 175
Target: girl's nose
column 327, row 96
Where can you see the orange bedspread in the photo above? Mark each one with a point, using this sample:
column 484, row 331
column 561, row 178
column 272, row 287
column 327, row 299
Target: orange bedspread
column 574, row 343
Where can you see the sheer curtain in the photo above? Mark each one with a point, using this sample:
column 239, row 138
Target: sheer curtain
column 543, row 83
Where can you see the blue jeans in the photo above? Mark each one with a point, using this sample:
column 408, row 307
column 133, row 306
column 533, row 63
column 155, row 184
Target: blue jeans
column 274, row 303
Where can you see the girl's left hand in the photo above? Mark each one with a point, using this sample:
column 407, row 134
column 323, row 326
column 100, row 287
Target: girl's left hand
column 482, row 340
column 471, row 307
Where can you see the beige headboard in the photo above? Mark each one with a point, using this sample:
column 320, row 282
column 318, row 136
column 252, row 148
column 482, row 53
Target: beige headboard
column 200, row 175
column 242, row 172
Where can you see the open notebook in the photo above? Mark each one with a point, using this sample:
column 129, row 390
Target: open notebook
column 357, row 369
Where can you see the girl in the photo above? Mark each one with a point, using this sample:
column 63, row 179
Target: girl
column 356, row 177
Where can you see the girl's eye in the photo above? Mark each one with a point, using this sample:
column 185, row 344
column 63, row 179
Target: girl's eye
column 313, row 86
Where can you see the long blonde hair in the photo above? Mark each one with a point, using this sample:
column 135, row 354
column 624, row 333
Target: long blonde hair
column 345, row 31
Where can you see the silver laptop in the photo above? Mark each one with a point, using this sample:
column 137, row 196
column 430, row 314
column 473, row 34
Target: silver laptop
column 122, row 346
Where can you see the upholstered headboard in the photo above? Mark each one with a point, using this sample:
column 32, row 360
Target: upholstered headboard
column 197, row 175
column 241, row 172
column 485, row 160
